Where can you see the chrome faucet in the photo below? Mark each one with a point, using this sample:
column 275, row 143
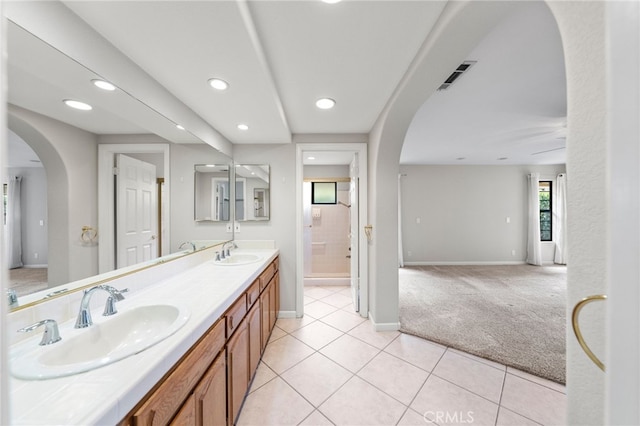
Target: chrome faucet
column 227, row 252
column 51, row 333
column 187, row 243
column 84, row 316
column 12, row 298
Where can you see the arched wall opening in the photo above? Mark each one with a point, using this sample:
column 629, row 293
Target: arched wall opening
column 460, row 27
column 57, row 194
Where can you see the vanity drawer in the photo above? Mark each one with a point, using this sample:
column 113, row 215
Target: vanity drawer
column 235, row 314
column 172, row 392
column 253, row 293
column 266, row 276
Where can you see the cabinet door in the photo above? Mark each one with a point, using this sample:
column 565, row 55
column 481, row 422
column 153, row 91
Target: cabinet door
column 211, row 394
column 255, row 340
column 265, row 314
column 272, row 303
column 237, row 369
column 187, row 414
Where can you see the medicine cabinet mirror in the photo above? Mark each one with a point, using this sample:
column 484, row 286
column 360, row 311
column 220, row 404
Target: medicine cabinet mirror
column 252, row 192
column 212, row 198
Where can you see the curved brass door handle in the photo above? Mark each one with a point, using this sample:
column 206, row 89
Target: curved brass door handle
column 576, row 327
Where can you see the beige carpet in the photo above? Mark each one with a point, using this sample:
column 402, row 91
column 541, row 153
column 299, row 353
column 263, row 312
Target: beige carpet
column 27, row 280
column 515, row 315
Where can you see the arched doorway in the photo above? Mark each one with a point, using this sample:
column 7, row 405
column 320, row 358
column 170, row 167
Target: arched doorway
column 583, row 27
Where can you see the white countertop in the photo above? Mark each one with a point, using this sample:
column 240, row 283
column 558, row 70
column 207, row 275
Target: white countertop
column 104, row 396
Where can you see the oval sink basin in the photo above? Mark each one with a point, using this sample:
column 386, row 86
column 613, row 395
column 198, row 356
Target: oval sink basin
column 108, row 340
column 239, row 259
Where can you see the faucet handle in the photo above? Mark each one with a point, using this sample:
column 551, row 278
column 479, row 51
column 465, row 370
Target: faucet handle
column 51, row 333
column 110, row 306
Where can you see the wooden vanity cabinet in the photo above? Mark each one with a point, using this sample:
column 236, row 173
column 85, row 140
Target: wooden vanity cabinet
column 209, row 384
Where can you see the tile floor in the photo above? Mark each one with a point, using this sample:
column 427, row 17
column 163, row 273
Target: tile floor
column 331, row 367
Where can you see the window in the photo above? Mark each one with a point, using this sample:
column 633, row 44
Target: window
column 544, row 192
column 324, row 192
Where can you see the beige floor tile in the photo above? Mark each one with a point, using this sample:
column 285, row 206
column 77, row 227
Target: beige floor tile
column 417, row 351
column 284, row 353
column 306, row 300
column 379, row 339
column 337, row 300
column 395, row 377
column 448, row 404
column 480, row 359
column 534, row 401
column 346, row 291
column 275, row 403
column 509, row 418
column 539, row 380
column 349, row 352
column 318, row 309
column 472, row 375
column 343, row 320
column 276, row 334
column 316, row 378
column 359, row 403
column 292, row 324
column 263, row 375
column 413, row 418
column 317, row 334
column 316, row 292
column 316, row 419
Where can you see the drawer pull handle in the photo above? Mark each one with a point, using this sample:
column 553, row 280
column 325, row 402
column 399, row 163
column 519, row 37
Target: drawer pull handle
column 231, row 322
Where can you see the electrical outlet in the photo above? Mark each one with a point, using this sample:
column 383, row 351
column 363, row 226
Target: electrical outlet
column 35, row 255
column 229, row 228
column 513, row 252
column 236, row 227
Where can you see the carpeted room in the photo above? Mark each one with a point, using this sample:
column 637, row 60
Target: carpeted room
column 466, row 283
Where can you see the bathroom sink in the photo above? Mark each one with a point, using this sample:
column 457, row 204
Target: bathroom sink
column 107, row 341
column 239, row 259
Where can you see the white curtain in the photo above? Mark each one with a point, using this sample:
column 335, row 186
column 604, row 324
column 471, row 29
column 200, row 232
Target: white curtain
column 560, row 223
column 400, row 255
column 13, row 228
column 534, row 251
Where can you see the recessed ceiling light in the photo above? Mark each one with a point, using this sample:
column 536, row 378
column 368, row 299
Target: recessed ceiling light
column 311, row 158
column 218, row 84
column 502, row 158
column 180, row 127
column 77, row 105
column 331, row 1
column 460, row 158
column 104, row 85
column 325, row 103
column 243, row 127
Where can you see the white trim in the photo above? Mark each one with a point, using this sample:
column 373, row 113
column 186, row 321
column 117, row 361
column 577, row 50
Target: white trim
column 384, row 326
column 446, row 263
column 286, row 314
column 361, row 150
column 106, row 153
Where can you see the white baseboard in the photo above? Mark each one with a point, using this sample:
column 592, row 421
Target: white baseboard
column 480, row 263
column 384, row 326
column 286, row 314
column 34, row 266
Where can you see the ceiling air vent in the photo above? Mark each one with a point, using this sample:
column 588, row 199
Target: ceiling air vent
column 462, row 68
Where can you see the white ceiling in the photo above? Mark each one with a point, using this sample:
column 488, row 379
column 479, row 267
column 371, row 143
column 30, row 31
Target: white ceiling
column 280, row 56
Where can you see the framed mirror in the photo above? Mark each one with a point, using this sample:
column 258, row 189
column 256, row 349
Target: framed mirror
column 212, row 192
column 252, row 192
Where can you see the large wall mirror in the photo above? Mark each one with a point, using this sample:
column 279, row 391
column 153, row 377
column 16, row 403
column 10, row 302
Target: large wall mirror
column 252, row 192
column 212, row 192
column 53, row 154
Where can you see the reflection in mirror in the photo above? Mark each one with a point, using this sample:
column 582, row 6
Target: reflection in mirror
column 252, row 192
column 212, row 197
column 66, row 142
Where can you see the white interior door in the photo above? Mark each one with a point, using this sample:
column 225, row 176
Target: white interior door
column 353, row 232
column 308, row 227
column 136, row 208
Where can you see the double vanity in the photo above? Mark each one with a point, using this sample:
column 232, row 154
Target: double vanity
column 181, row 347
